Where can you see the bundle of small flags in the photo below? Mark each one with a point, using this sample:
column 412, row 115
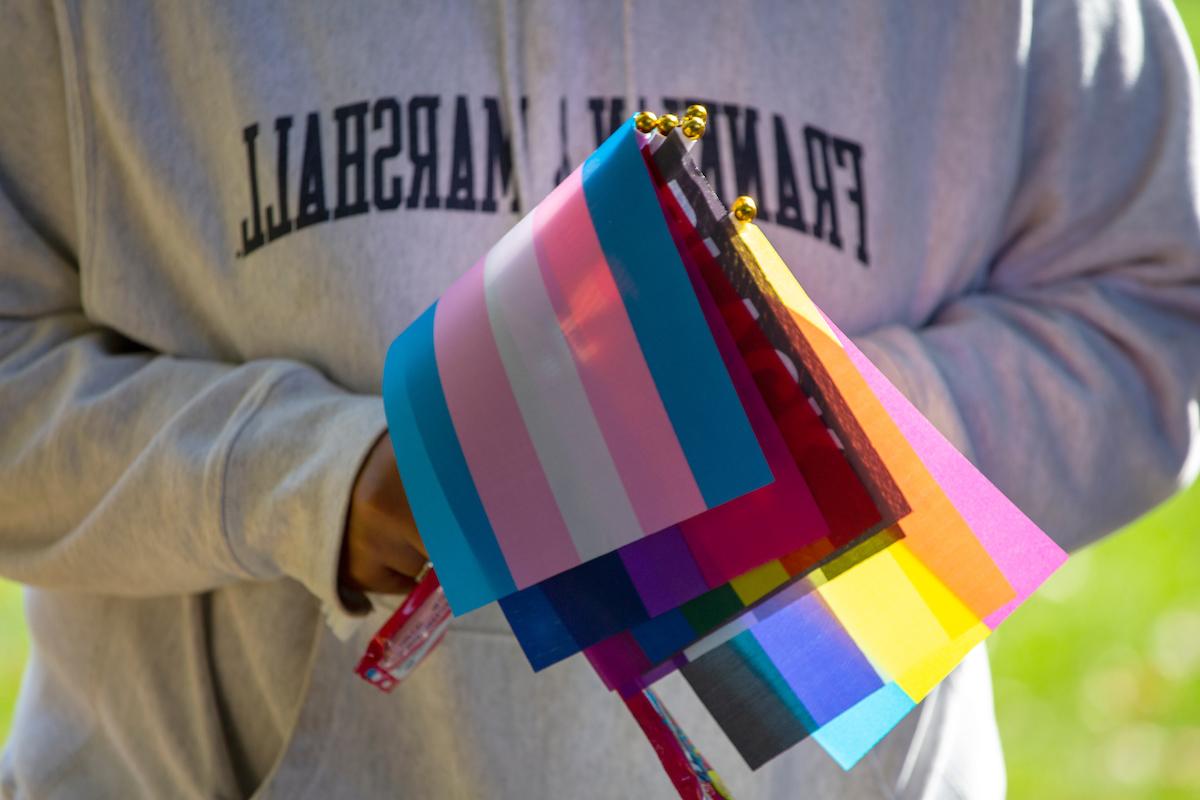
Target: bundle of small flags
column 630, row 426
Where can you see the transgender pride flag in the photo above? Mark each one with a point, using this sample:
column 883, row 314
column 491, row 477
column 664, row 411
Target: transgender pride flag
column 565, row 397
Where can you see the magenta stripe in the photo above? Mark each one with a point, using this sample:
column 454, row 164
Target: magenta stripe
column 499, row 452
column 622, row 392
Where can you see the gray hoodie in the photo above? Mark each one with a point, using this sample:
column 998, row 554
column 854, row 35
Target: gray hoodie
column 215, row 217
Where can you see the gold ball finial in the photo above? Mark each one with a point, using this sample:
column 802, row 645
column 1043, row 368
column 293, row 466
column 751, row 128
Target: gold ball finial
column 646, row 121
column 696, row 110
column 745, row 209
column 694, row 127
column 667, row 123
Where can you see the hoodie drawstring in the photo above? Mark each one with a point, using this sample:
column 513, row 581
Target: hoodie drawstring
column 631, row 98
column 511, row 92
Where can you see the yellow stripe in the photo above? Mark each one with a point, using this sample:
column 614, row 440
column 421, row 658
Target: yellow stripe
column 757, row 583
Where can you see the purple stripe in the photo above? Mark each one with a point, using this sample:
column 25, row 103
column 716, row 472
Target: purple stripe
column 663, row 571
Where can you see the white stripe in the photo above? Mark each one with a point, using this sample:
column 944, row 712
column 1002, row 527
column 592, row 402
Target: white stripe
column 720, row 636
column 552, row 399
column 688, row 211
column 791, row 368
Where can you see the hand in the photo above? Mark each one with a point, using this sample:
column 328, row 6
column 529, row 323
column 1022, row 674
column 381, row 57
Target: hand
column 381, row 550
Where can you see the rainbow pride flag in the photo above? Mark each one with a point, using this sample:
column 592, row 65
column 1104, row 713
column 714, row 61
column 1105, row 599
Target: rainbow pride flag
column 843, row 654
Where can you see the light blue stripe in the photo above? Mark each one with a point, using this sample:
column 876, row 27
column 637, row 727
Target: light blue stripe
column 851, row 735
column 691, row 378
column 441, row 493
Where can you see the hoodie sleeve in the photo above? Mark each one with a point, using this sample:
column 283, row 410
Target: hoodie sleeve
column 125, row 471
column 1072, row 378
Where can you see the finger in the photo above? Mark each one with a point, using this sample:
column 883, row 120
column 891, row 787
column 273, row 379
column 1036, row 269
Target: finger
column 381, row 579
column 392, row 582
column 392, row 523
column 379, row 485
column 414, row 540
column 402, row 558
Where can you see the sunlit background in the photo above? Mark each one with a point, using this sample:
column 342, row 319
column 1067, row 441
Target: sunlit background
column 1097, row 677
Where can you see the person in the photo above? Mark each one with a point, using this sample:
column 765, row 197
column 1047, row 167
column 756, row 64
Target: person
column 215, row 217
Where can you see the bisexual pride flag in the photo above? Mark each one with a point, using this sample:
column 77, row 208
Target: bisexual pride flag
column 629, row 425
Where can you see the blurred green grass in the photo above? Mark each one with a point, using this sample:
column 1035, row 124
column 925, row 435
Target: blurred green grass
column 1097, row 677
column 14, row 647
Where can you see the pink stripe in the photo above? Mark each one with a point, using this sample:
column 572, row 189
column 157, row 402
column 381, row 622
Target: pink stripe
column 624, row 398
column 499, row 452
